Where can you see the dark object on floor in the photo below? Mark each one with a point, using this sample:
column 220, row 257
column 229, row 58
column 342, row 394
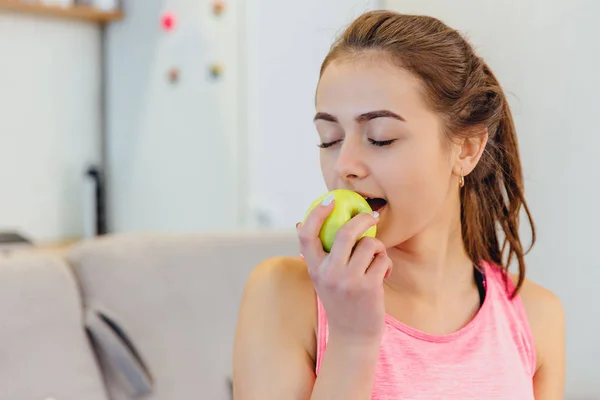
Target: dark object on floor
column 13, row 238
column 10, row 240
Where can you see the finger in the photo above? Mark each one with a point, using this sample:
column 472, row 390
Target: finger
column 380, row 268
column 364, row 254
column 308, row 233
column 347, row 235
column 298, row 226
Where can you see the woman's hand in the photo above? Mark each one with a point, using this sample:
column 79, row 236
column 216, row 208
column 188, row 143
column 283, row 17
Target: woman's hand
column 349, row 280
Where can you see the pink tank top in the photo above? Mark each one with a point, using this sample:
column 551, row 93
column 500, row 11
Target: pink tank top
column 491, row 358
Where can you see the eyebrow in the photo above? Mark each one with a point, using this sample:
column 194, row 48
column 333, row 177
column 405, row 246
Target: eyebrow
column 362, row 118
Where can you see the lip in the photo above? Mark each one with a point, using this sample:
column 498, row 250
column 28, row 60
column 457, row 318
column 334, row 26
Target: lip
column 365, row 195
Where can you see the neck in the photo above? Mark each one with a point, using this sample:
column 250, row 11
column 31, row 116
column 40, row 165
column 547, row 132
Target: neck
column 433, row 266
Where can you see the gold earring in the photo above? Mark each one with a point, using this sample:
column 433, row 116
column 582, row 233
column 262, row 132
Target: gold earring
column 461, row 180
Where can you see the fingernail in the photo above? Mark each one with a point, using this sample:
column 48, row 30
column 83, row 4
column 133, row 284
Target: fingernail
column 387, row 274
column 298, row 224
column 327, row 200
column 375, row 214
column 302, row 256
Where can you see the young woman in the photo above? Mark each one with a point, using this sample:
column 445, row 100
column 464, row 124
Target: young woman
column 410, row 117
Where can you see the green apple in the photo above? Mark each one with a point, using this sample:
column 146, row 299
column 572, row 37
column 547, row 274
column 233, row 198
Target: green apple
column 347, row 204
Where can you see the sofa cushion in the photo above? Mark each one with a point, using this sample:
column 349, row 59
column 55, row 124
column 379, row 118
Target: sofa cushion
column 45, row 351
column 176, row 297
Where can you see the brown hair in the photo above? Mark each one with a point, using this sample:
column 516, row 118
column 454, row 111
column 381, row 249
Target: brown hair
column 462, row 88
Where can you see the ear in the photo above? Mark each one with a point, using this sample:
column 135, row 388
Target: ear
column 470, row 151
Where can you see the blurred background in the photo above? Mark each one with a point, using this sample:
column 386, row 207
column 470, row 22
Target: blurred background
column 194, row 117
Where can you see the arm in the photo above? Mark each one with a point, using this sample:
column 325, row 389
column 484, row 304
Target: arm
column 275, row 326
column 547, row 320
column 347, row 371
column 549, row 379
column 275, row 343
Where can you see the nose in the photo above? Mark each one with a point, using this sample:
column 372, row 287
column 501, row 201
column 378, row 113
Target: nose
column 350, row 165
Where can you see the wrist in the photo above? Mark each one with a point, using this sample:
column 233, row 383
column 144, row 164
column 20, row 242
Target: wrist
column 357, row 346
column 348, row 367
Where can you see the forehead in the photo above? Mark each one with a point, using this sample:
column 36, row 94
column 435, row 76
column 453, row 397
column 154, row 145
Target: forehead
column 357, row 85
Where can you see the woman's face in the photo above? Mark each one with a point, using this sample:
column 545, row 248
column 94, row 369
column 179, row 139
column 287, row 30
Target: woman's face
column 381, row 140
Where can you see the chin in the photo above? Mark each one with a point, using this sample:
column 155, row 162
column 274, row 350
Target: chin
column 383, row 236
column 391, row 238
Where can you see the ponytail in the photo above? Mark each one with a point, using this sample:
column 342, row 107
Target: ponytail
column 493, row 195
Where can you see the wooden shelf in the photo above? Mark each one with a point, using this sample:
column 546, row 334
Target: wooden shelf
column 84, row 13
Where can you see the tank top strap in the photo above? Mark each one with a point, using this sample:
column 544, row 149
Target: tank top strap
column 322, row 334
column 501, row 287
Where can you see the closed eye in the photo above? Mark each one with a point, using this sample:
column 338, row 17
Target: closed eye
column 381, row 143
column 325, row 145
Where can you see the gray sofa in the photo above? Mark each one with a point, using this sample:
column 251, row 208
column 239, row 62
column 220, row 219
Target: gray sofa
column 127, row 317
column 45, row 353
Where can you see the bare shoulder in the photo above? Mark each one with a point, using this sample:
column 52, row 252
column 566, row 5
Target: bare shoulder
column 275, row 334
column 280, row 274
column 546, row 317
column 282, row 286
column 542, row 306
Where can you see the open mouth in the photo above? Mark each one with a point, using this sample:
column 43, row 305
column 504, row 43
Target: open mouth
column 376, row 203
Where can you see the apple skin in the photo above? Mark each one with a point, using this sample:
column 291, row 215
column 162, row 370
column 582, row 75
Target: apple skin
column 347, row 204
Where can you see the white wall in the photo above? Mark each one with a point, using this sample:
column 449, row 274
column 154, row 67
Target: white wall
column 49, row 127
column 172, row 149
column 547, row 56
column 286, row 44
column 205, row 155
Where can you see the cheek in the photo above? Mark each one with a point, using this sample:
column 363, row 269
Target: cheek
column 418, row 187
column 327, row 162
column 419, row 166
column 414, row 186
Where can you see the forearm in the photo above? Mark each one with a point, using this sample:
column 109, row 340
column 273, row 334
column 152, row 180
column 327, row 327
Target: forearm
column 347, row 371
